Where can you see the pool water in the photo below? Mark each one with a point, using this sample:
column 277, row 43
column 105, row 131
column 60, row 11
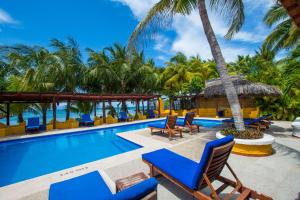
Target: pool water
column 28, row 158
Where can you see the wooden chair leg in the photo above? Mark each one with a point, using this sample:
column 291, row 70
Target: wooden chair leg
column 213, row 191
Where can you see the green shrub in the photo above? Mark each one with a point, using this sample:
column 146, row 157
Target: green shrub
column 247, row 134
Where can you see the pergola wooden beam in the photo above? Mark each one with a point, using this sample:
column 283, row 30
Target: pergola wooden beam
column 293, row 9
column 9, row 97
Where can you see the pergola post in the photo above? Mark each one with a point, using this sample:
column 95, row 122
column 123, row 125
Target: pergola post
column 7, row 114
column 158, row 106
column 103, row 111
column 95, row 108
column 54, row 113
column 136, row 106
column 148, row 105
column 170, row 105
column 143, row 106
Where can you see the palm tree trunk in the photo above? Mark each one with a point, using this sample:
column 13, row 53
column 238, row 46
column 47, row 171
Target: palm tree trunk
column 20, row 117
column 44, row 113
column 221, row 67
column 68, row 110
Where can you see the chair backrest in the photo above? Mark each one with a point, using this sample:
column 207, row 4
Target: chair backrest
column 189, row 117
column 86, row 117
column 213, row 160
column 33, row 121
column 171, row 121
column 123, row 115
column 151, row 113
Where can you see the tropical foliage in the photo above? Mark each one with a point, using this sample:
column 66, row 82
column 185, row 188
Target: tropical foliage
column 117, row 69
column 285, row 34
column 111, row 70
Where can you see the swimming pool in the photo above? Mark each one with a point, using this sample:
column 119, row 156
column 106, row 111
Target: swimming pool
column 28, row 158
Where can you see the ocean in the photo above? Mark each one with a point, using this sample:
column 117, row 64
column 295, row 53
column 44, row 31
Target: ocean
column 61, row 114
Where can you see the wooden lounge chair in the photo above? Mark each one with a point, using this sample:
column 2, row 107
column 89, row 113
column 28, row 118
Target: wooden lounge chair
column 33, row 124
column 192, row 176
column 168, row 126
column 92, row 186
column 188, row 122
column 124, row 117
column 86, row 120
column 250, row 123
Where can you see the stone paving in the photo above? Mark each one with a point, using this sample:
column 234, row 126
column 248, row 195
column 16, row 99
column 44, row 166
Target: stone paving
column 277, row 175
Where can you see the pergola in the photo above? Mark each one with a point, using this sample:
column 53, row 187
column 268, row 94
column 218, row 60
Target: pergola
column 55, row 97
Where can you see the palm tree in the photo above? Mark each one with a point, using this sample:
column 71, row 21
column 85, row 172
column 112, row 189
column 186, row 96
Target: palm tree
column 232, row 10
column 82, row 107
column 285, row 34
column 291, row 72
column 38, row 77
column 68, row 71
column 15, row 83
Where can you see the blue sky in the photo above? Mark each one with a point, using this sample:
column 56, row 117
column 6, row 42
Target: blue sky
column 100, row 23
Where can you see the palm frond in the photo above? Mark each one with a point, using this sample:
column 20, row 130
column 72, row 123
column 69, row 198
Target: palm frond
column 232, row 11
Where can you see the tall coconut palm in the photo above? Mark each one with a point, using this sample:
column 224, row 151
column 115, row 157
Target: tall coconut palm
column 232, row 10
column 38, row 77
column 285, row 34
column 68, row 72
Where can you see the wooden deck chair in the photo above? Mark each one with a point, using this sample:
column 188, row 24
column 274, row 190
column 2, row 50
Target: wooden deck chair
column 193, row 177
column 188, row 122
column 168, row 126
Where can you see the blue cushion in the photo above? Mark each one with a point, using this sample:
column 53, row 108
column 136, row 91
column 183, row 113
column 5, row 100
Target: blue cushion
column 32, row 127
column 180, row 123
column 33, row 122
column 86, row 118
column 90, row 186
column 151, row 114
column 157, row 125
column 137, row 191
column 177, row 166
column 205, row 157
column 183, row 169
column 123, row 115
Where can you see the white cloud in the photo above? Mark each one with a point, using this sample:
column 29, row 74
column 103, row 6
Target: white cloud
column 5, row 18
column 161, row 43
column 261, row 4
column 192, row 41
column 190, row 38
column 162, row 58
column 138, row 7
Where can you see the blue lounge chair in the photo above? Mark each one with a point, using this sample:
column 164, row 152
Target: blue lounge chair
column 123, row 117
column 169, row 126
column 33, row 124
column 151, row 114
column 188, row 122
column 91, row 186
column 193, row 176
column 258, row 123
column 86, row 120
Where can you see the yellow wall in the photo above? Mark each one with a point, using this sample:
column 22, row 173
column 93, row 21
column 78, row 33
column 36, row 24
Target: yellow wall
column 210, row 107
column 98, row 121
column 140, row 116
column 111, row 120
column 71, row 123
column 12, row 130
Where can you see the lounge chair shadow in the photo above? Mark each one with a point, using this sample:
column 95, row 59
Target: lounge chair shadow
column 181, row 194
column 161, row 134
column 286, row 151
column 174, row 189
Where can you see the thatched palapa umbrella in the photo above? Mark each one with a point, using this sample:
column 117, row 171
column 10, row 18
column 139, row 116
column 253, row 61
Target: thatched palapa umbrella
column 244, row 88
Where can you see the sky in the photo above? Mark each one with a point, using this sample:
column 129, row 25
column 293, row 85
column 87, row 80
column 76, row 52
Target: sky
column 101, row 23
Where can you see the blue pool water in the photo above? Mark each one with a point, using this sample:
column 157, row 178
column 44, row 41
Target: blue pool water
column 29, row 158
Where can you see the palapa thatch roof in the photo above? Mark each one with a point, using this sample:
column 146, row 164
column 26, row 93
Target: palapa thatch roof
column 245, row 88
